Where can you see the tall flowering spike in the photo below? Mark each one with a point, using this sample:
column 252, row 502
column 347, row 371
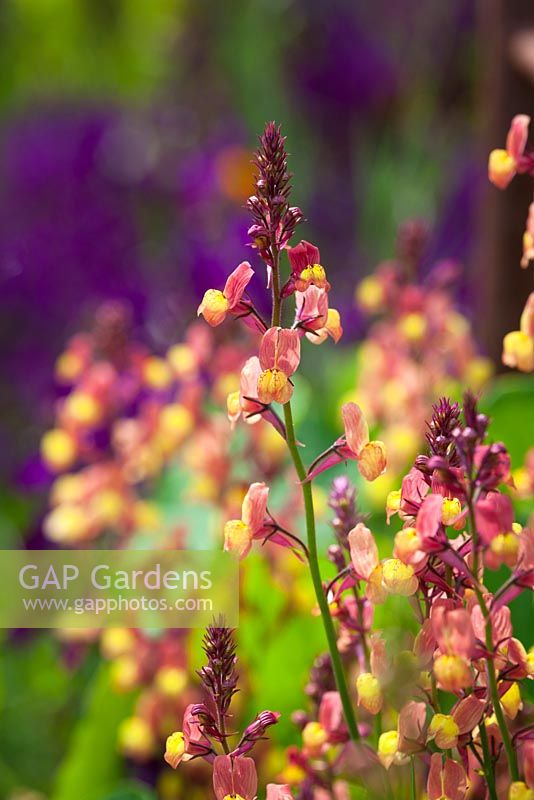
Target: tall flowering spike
column 445, row 418
column 274, row 219
column 342, row 500
column 219, row 675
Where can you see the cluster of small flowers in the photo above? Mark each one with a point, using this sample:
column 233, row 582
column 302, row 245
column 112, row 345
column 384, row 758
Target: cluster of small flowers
column 518, row 346
column 462, row 672
column 123, row 415
column 204, row 734
column 420, row 345
column 451, row 698
column 267, row 378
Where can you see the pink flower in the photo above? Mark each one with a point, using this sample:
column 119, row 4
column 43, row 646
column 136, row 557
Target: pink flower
column 453, row 630
column 363, row 551
column 245, row 401
column 311, row 308
column 494, row 515
column 239, row 533
column 504, row 164
column 371, row 456
column 331, row 717
column 279, row 358
column 216, row 305
column 446, row 781
column 189, row 742
column 355, row 445
column 234, row 778
column 306, row 269
column 411, row 728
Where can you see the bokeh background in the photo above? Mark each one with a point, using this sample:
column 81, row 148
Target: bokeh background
column 126, row 134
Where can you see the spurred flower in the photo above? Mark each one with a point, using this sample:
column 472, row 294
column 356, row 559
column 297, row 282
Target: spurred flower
column 504, row 164
column 279, row 358
column 306, row 269
column 446, row 729
column 518, row 346
column 239, row 533
column 390, row 577
column 216, row 305
column 234, row 778
column 186, row 744
column 446, row 781
column 371, row 456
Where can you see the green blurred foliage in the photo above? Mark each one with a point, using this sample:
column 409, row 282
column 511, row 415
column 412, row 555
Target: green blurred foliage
column 98, row 48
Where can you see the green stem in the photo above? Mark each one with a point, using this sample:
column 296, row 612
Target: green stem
column 313, row 561
column 490, row 667
column 488, row 762
column 316, row 577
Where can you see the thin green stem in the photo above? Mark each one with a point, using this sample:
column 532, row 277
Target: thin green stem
column 488, row 762
column 490, row 667
column 313, row 561
column 316, row 577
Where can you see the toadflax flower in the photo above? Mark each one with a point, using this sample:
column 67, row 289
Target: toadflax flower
column 239, row 533
column 518, row 346
column 391, row 576
column 216, row 305
column 446, row 781
column 354, row 445
column 279, row 358
column 234, row 778
column 306, row 269
column 504, row 164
